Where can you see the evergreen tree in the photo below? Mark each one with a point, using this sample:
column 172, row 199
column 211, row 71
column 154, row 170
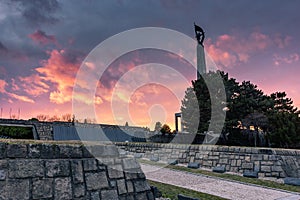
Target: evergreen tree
column 275, row 120
column 165, row 129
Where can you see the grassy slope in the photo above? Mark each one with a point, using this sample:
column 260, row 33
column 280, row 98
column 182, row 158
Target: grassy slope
column 170, row 191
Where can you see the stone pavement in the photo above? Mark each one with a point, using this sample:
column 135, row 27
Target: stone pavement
column 215, row 186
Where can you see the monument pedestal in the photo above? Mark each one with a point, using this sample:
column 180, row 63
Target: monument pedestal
column 201, row 65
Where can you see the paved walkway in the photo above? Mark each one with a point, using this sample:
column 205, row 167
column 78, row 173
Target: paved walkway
column 215, row 186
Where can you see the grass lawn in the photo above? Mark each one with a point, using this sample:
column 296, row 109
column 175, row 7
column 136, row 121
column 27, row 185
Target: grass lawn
column 255, row 181
column 170, row 191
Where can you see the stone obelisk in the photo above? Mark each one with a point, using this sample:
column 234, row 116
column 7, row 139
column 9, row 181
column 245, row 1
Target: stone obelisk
column 201, row 64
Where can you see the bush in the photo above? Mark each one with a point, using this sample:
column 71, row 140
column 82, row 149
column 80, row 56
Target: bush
column 16, row 132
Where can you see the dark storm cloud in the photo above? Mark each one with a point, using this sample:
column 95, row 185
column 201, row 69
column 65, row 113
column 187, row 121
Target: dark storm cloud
column 42, row 38
column 38, row 12
column 72, row 56
column 3, row 48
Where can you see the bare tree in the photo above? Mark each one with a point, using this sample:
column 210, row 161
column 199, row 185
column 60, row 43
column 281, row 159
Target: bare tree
column 66, row 118
column 42, row 117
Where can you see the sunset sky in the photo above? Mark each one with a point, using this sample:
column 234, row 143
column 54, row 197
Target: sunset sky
column 44, row 43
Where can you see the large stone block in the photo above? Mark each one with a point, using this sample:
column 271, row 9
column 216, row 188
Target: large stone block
column 250, row 174
column 16, row 189
column 42, row 188
column 2, row 150
column 34, row 150
column 100, row 151
column 66, row 151
column 25, row 168
column 95, row 196
column 77, row 171
column 121, row 186
column 207, row 163
column 223, row 161
column 265, row 151
column 129, row 186
column 131, row 175
column 141, row 196
column 219, row 169
column 3, row 194
column 115, row 171
column 109, row 194
column 2, row 174
column 265, row 168
column 292, row 181
column 141, row 185
column 247, row 166
column 194, row 165
column 266, row 163
column 49, row 151
column 106, row 160
column 79, row 191
column 16, row 150
column 90, row 165
column 277, row 169
column 62, row 188
column 57, row 168
column 96, row 181
column 256, row 157
column 130, row 163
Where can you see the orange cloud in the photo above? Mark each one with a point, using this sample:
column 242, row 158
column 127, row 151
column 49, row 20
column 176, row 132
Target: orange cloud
column 60, row 69
column 42, row 38
column 33, row 85
column 20, row 97
column 2, row 86
column 147, row 96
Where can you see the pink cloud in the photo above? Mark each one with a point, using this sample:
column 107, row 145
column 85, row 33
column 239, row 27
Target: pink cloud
column 3, row 70
column 233, row 50
column 3, row 84
column 282, row 41
column 221, row 56
column 278, row 60
column 42, row 38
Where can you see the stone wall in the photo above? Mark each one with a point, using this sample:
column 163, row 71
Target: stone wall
column 35, row 170
column 45, row 130
column 268, row 162
column 41, row 130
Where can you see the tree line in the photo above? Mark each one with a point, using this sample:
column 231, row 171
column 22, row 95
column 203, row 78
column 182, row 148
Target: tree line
column 252, row 118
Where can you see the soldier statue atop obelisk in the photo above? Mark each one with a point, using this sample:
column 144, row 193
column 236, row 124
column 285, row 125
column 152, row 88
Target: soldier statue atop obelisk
column 201, row 65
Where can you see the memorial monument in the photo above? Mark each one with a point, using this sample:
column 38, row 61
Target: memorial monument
column 201, row 64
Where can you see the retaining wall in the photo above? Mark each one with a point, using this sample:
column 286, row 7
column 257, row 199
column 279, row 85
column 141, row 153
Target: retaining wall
column 268, row 162
column 41, row 130
column 34, row 170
